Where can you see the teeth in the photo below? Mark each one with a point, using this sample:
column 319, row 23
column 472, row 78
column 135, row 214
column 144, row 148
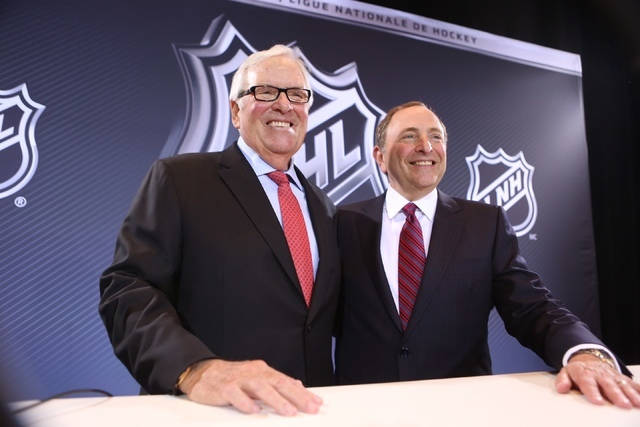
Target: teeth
column 279, row 124
column 423, row 163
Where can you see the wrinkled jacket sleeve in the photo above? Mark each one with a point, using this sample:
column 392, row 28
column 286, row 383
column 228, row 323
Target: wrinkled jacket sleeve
column 529, row 311
column 138, row 291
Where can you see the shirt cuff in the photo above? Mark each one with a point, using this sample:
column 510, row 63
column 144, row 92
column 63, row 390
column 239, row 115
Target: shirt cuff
column 572, row 350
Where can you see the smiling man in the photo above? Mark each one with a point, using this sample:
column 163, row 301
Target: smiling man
column 421, row 272
column 224, row 283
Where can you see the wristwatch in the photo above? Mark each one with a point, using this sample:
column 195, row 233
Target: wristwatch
column 602, row 355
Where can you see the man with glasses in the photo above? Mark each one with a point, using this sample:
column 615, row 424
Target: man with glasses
column 224, row 284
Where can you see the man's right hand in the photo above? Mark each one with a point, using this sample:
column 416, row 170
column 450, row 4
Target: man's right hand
column 220, row 382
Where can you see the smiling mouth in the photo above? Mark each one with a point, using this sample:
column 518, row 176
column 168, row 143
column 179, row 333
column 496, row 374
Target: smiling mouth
column 423, row 163
column 279, row 124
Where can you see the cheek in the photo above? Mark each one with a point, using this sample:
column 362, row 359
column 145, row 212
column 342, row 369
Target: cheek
column 252, row 114
column 303, row 116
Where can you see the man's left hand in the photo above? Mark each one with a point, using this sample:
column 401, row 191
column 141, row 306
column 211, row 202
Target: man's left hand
column 598, row 382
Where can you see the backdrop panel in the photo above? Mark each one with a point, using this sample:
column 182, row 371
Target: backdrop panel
column 91, row 93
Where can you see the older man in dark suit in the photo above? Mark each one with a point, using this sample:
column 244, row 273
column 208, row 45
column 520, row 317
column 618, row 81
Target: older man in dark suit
column 422, row 270
column 225, row 283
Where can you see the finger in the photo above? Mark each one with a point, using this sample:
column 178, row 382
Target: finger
column 240, row 400
column 563, row 382
column 263, row 390
column 228, row 394
column 613, row 392
column 294, row 392
column 585, row 380
column 631, row 389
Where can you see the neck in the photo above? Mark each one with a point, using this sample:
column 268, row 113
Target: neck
column 412, row 196
column 280, row 163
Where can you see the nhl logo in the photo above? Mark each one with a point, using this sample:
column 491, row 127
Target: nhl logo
column 507, row 181
column 341, row 125
column 18, row 152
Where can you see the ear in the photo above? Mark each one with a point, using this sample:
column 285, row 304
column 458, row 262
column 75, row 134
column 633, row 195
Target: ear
column 378, row 156
column 235, row 109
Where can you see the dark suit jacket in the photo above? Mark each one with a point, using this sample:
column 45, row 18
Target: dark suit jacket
column 202, row 269
column 473, row 264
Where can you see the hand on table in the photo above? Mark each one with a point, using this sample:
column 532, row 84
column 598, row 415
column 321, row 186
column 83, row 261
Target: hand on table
column 598, row 382
column 220, row 382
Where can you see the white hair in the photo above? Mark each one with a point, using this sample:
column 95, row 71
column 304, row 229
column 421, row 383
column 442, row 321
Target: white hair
column 239, row 81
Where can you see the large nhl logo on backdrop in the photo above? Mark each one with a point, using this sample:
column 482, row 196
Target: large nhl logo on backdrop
column 18, row 152
column 341, row 126
column 500, row 179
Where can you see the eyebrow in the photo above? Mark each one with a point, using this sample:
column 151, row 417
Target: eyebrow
column 415, row 129
column 411, row 129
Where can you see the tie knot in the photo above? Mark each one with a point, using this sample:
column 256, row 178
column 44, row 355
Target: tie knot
column 409, row 210
column 279, row 178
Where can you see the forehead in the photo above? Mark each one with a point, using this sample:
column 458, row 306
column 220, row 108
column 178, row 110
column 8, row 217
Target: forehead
column 417, row 117
column 280, row 71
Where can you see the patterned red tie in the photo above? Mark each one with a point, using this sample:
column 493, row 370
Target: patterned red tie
column 296, row 233
column 411, row 259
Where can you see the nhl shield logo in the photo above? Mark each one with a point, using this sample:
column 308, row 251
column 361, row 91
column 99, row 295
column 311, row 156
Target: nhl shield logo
column 500, row 179
column 341, row 125
column 18, row 152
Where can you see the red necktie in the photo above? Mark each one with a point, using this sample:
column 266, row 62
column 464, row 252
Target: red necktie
column 411, row 259
column 296, row 233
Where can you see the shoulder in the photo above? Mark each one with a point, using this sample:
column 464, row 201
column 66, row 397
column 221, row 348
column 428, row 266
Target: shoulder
column 188, row 161
column 477, row 217
column 177, row 173
column 464, row 206
column 361, row 206
column 359, row 212
column 186, row 167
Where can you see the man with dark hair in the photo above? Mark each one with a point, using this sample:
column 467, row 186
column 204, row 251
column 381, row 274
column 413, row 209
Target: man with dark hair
column 422, row 271
column 224, row 283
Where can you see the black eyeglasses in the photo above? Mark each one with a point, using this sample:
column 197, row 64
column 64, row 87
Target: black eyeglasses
column 271, row 93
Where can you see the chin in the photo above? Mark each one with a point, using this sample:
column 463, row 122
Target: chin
column 290, row 145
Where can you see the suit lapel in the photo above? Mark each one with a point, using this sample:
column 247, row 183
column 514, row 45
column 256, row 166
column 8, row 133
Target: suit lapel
column 238, row 176
column 445, row 235
column 369, row 235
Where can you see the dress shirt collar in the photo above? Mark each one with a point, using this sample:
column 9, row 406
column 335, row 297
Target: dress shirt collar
column 260, row 167
column 394, row 202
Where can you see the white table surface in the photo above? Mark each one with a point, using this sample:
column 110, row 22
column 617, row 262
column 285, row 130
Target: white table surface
column 520, row 400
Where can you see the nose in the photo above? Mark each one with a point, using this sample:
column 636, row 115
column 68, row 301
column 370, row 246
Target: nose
column 282, row 103
column 424, row 144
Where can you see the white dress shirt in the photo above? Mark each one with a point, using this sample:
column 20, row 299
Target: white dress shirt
column 261, row 169
column 392, row 222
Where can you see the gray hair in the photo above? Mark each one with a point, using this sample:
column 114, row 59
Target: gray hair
column 381, row 129
column 239, row 81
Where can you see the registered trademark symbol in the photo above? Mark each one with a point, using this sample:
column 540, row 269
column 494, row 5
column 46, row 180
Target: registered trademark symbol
column 20, row 202
column 533, row 236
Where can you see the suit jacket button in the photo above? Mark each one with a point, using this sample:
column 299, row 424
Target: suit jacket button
column 404, row 351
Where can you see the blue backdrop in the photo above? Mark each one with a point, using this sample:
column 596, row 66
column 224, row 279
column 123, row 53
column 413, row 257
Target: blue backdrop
column 92, row 92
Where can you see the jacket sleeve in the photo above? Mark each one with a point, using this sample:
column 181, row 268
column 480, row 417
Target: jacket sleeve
column 530, row 312
column 138, row 291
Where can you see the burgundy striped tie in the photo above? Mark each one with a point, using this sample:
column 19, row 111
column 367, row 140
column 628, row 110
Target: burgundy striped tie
column 411, row 259
column 296, row 233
